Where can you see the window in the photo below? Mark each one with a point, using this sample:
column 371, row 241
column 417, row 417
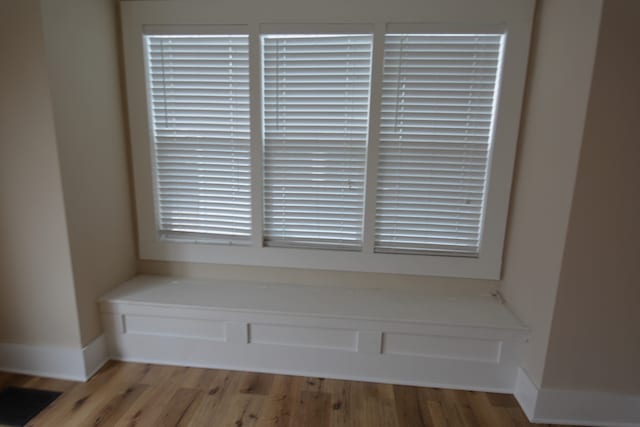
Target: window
column 365, row 147
column 438, row 98
column 316, row 114
column 199, row 108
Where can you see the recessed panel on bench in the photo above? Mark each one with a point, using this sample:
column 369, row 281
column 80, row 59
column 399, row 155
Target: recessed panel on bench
column 442, row 347
column 341, row 339
column 172, row 326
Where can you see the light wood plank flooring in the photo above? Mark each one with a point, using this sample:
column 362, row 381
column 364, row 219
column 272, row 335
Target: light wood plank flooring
column 134, row 394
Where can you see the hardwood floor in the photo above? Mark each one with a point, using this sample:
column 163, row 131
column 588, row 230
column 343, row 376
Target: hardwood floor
column 133, row 394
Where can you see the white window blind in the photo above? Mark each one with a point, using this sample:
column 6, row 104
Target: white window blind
column 435, row 139
column 315, row 103
column 199, row 96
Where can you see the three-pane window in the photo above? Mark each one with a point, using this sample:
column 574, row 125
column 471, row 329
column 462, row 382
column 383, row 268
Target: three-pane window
column 433, row 139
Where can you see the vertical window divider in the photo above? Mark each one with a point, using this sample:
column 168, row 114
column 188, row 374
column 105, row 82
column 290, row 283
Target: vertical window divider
column 375, row 106
column 255, row 110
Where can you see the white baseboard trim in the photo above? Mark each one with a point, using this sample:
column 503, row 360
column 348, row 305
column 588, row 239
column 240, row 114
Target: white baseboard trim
column 68, row 363
column 95, row 355
column 576, row 407
column 526, row 393
column 43, row 361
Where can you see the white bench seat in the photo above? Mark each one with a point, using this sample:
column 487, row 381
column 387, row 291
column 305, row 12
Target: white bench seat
column 404, row 336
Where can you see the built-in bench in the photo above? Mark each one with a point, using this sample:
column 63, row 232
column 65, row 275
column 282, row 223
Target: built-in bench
column 403, row 337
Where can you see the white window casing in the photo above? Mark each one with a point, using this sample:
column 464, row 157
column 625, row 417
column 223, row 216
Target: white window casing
column 449, row 113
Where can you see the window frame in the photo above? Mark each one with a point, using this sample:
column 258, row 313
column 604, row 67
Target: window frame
column 290, row 16
column 173, row 235
column 367, row 30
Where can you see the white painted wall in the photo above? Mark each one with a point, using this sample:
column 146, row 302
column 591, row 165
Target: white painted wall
column 37, row 297
column 551, row 136
column 66, row 223
column 81, row 40
column 595, row 334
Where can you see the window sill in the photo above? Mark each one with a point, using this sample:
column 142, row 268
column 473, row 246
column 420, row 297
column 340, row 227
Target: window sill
column 481, row 267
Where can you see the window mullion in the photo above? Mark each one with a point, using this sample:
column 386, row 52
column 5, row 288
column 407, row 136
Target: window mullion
column 375, row 102
column 255, row 107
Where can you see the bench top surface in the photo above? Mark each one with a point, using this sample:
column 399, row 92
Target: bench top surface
column 323, row 301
